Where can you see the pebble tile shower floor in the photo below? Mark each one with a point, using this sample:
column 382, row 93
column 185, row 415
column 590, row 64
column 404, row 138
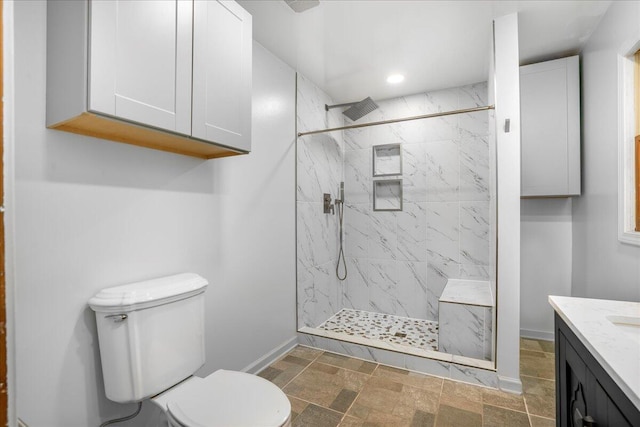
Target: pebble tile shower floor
column 329, row 390
column 385, row 327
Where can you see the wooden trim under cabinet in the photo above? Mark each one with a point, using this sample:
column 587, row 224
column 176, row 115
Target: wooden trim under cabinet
column 114, row 130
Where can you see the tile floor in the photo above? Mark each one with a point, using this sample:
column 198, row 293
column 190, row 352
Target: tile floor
column 417, row 333
column 327, row 389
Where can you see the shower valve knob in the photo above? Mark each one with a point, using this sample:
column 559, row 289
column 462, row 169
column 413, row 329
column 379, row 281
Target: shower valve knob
column 327, row 205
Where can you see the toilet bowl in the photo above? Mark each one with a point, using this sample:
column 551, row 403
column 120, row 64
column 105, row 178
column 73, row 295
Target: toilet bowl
column 225, row 398
column 151, row 337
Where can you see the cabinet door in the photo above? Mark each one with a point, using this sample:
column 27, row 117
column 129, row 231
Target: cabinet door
column 603, row 410
column 573, row 387
column 222, row 73
column 140, row 61
column 550, row 115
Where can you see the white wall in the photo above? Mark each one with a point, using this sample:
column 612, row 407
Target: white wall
column 507, row 101
column 545, row 262
column 602, row 266
column 92, row 213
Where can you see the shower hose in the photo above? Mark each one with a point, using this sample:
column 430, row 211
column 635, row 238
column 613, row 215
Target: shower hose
column 341, row 251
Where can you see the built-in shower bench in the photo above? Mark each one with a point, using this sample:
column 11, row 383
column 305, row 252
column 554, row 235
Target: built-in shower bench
column 465, row 318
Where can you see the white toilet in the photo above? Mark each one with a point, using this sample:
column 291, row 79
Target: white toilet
column 151, row 337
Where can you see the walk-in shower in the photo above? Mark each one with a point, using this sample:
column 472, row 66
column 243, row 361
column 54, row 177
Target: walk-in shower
column 416, row 195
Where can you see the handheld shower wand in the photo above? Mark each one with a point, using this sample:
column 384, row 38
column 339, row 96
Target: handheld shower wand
column 341, row 194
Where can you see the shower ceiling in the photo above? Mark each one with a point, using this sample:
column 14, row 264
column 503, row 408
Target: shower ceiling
column 348, row 48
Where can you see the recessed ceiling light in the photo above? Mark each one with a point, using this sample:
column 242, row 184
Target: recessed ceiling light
column 395, row 78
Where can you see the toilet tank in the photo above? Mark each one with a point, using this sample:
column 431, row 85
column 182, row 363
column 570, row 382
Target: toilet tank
column 151, row 334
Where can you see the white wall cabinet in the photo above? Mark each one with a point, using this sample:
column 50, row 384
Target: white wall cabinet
column 140, row 62
column 550, row 114
column 174, row 75
column 222, row 73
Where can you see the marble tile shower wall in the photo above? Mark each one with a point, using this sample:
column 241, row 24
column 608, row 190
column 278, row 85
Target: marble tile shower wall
column 399, row 262
column 319, row 170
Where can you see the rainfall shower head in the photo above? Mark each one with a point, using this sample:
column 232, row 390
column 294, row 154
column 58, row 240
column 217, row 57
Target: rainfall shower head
column 356, row 110
column 299, row 6
column 360, row 109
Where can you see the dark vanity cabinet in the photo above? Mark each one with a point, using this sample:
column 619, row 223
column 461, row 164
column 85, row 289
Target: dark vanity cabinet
column 586, row 396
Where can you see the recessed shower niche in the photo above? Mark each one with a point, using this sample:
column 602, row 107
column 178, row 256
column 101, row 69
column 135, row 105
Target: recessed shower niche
column 387, row 160
column 387, row 195
column 419, row 210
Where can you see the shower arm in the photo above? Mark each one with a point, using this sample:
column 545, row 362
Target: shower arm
column 405, row 119
column 346, row 104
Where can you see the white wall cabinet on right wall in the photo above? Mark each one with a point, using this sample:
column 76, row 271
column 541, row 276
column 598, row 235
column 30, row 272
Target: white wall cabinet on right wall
column 550, row 114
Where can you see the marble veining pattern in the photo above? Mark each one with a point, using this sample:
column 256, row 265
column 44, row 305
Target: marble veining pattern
column 463, row 329
column 399, row 261
column 383, row 235
column 474, row 169
column 475, row 272
column 412, row 232
column 357, row 172
column 320, row 161
column 615, row 347
column 387, row 160
column 356, row 229
column 321, row 156
column 355, row 291
column 443, row 171
column 387, row 195
column 414, row 172
column 466, row 319
column 383, row 285
column 475, row 232
column 443, row 232
column 437, row 275
column 447, row 217
column 474, row 292
column 412, row 289
column 385, row 327
column 317, row 235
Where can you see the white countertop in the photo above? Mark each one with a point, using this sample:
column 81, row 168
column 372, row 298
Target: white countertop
column 616, row 346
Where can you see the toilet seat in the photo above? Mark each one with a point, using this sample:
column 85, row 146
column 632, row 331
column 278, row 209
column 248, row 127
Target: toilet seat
column 226, row 398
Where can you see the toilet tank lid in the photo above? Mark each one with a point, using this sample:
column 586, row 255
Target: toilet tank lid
column 148, row 293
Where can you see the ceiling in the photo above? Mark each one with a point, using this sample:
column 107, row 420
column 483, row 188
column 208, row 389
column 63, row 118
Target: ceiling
column 348, row 48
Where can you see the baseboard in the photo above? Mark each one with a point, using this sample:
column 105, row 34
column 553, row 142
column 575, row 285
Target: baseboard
column 510, row 385
column 537, row 335
column 271, row 357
